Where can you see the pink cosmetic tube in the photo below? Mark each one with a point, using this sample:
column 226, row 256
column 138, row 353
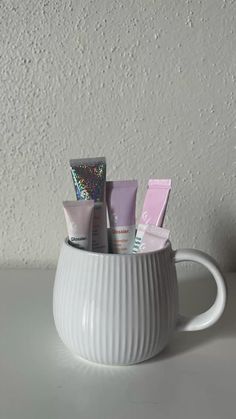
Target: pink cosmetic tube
column 155, row 202
column 79, row 221
column 121, row 204
column 150, row 238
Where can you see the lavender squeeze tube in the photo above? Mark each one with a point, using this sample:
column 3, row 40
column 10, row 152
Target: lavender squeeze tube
column 79, row 221
column 121, row 203
column 89, row 177
column 150, row 238
column 155, row 202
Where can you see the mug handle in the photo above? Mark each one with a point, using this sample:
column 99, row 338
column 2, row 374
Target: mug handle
column 210, row 316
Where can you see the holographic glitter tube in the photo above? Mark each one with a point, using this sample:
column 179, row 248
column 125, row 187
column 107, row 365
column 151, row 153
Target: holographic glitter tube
column 89, row 178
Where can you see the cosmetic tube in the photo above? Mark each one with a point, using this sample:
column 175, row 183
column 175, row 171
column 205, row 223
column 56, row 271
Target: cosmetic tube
column 121, row 203
column 155, row 202
column 79, row 221
column 89, row 178
column 150, row 238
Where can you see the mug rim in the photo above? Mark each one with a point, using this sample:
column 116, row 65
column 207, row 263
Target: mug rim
column 89, row 252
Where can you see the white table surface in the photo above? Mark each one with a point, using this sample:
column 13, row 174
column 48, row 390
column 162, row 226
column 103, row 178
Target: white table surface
column 194, row 378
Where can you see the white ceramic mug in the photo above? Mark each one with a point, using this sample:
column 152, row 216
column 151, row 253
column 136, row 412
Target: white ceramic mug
column 123, row 309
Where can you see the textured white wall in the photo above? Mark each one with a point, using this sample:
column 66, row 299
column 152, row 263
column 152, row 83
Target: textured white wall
column 149, row 84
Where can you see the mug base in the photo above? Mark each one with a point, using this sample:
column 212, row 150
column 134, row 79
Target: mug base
column 117, row 364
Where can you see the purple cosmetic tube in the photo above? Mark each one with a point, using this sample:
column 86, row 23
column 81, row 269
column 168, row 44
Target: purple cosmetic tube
column 121, row 204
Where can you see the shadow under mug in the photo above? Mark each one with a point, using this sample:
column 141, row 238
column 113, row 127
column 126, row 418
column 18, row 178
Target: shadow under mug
column 123, row 309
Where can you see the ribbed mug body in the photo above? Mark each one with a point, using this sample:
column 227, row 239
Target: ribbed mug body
column 115, row 309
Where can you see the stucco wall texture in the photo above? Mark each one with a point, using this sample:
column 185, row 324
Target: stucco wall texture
column 149, row 84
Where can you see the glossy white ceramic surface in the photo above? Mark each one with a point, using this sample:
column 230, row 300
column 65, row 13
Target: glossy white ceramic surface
column 123, row 309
